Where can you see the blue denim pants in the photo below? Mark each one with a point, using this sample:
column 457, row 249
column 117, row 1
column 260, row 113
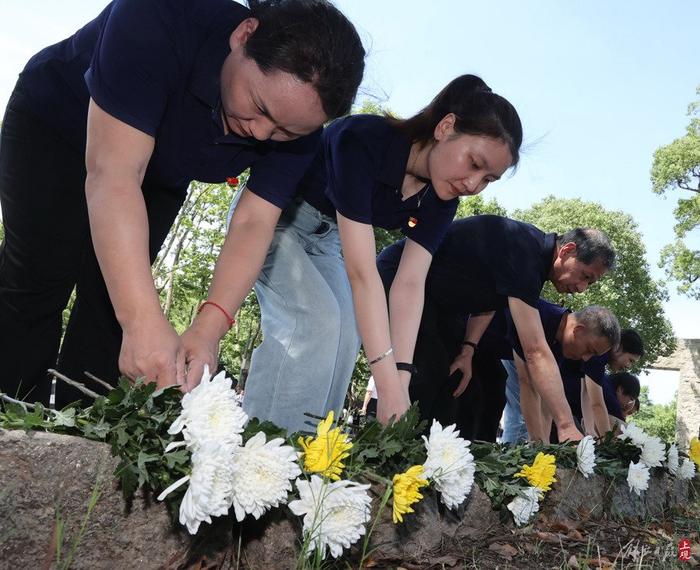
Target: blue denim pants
column 310, row 337
column 514, row 430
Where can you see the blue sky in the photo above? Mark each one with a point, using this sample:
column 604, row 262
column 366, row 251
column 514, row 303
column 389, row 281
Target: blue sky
column 598, row 85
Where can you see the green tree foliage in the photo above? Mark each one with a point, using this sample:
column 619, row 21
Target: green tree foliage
column 629, row 291
column 478, row 205
column 656, row 419
column 676, row 166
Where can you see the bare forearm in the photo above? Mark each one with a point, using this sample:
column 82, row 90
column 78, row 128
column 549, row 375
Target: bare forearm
column 530, row 406
column 405, row 310
column 236, row 270
column 373, row 323
column 587, row 411
column 121, row 247
column 546, row 379
column 598, row 408
column 477, row 325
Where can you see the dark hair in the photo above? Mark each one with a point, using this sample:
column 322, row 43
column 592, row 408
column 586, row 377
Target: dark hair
column 315, row 42
column 628, row 382
column 591, row 245
column 601, row 321
column 631, row 342
column 478, row 111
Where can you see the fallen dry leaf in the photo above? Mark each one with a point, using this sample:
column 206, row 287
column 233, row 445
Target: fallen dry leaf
column 548, row 537
column 505, row 550
column 575, row 535
column 573, row 563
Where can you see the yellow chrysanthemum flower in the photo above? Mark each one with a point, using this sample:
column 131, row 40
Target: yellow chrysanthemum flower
column 694, row 451
column 324, row 453
column 405, row 491
column 541, row 473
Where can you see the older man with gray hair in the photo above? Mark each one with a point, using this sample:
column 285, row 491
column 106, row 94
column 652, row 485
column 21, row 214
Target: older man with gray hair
column 484, row 264
column 592, row 331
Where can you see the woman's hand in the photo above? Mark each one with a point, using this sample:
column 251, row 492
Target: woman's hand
column 200, row 344
column 392, row 403
column 152, row 350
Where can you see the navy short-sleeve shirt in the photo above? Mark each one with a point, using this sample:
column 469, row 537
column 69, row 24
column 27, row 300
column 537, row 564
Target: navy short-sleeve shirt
column 359, row 172
column 495, row 338
column 551, row 316
column 610, row 395
column 482, row 261
column 155, row 65
column 571, row 376
column 595, row 369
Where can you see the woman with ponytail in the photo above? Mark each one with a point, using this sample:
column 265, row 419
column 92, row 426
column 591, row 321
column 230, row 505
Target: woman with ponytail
column 319, row 283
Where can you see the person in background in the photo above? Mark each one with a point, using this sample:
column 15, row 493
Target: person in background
column 487, row 263
column 369, row 405
column 319, row 283
column 117, row 120
column 597, row 395
column 590, row 332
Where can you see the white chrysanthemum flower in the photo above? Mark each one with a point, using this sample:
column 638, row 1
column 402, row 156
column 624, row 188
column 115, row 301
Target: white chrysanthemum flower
column 261, row 475
column 638, row 477
column 525, row 505
column 653, row 452
column 334, row 514
column 211, row 485
column 672, row 462
column 210, row 412
column 634, row 433
column 686, row 469
column 585, row 455
column 450, row 464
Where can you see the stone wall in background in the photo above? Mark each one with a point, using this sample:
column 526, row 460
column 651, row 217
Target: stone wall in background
column 686, row 360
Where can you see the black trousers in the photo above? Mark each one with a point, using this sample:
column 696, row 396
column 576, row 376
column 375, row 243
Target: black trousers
column 478, row 410
column 47, row 252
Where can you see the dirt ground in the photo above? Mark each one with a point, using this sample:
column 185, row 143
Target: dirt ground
column 604, row 544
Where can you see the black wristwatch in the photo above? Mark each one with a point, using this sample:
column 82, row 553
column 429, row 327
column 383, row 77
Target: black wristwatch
column 407, row 367
column 470, row 343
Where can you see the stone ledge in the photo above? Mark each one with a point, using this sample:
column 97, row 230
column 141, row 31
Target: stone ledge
column 45, row 475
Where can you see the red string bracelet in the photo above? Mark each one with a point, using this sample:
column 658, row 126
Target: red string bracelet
column 229, row 318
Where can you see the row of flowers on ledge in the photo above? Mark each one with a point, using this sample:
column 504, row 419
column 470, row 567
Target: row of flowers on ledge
column 257, row 475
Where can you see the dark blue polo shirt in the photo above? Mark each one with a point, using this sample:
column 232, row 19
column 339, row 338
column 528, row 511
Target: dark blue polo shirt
column 155, row 65
column 359, row 173
column 595, row 369
column 571, row 376
column 482, row 261
column 495, row 338
column 551, row 316
column 610, row 396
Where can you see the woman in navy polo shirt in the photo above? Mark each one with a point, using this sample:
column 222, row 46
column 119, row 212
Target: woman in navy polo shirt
column 372, row 171
column 151, row 95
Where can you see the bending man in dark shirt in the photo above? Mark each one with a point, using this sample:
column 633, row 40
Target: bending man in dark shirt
column 580, row 336
column 486, row 263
